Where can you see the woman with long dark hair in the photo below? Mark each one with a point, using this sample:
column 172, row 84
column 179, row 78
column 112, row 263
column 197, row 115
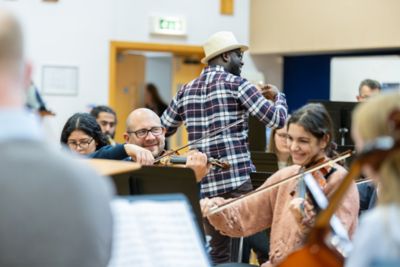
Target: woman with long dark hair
column 82, row 134
column 309, row 139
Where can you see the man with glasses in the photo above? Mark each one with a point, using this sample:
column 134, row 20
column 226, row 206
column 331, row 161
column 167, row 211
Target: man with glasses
column 143, row 128
column 217, row 98
column 368, row 88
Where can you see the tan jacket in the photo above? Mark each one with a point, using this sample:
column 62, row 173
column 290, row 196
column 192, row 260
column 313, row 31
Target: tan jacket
column 270, row 209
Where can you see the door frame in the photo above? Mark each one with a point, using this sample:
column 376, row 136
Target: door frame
column 117, row 47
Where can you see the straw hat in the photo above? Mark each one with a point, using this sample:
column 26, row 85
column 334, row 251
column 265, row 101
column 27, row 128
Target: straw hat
column 219, row 43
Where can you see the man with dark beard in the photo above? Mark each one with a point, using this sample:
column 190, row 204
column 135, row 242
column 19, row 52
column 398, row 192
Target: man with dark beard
column 217, row 98
column 107, row 119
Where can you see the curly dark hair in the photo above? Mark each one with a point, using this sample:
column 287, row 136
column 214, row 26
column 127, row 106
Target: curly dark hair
column 85, row 123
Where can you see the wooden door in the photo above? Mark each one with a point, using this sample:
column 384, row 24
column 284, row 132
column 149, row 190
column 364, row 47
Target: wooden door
column 130, row 82
column 183, row 71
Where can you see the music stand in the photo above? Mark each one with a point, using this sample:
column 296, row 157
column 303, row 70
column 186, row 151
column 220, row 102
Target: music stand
column 168, row 180
column 132, row 179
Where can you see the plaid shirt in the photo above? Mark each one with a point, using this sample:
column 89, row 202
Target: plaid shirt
column 212, row 101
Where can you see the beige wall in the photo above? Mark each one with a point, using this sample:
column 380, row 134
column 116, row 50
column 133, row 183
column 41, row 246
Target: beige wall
column 303, row 26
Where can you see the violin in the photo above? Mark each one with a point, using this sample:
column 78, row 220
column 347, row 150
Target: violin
column 182, row 160
column 320, row 174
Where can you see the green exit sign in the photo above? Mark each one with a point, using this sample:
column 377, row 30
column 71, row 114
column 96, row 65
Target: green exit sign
column 168, row 25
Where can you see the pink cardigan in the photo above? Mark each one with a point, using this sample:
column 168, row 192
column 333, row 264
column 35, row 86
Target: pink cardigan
column 270, row 209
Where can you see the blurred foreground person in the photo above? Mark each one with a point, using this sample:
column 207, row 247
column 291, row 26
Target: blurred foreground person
column 54, row 211
column 377, row 240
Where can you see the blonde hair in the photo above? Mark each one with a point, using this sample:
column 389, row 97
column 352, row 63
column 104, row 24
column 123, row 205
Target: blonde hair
column 370, row 120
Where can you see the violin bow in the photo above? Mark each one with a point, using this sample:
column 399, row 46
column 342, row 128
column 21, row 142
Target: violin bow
column 220, row 130
column 340, row 157
column 363, row 181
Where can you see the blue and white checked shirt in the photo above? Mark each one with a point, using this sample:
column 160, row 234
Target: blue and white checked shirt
column 212, row 101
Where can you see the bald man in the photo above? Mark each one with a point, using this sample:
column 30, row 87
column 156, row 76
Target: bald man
column 143, row 128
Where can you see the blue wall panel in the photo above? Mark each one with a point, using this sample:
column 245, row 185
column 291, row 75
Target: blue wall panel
column 306, row 78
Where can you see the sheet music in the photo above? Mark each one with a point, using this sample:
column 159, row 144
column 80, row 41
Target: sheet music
column 151, row 233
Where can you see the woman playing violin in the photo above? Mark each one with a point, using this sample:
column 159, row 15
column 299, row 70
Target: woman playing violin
column 309, row 141
column 377, row 240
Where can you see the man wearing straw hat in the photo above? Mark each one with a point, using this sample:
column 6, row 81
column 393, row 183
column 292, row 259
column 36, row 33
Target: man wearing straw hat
column 217, row 98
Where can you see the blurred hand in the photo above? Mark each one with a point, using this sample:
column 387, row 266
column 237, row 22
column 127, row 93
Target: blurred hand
column 269, row 91
column 197, row 161
column 139, row 154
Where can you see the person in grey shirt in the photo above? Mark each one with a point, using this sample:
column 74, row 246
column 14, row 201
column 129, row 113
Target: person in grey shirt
column 54, row 211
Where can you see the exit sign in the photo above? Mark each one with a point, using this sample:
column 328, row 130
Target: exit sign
column 168, row 25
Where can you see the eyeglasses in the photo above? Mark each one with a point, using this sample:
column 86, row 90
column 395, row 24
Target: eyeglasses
column 142, row 133
column 83, row 144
